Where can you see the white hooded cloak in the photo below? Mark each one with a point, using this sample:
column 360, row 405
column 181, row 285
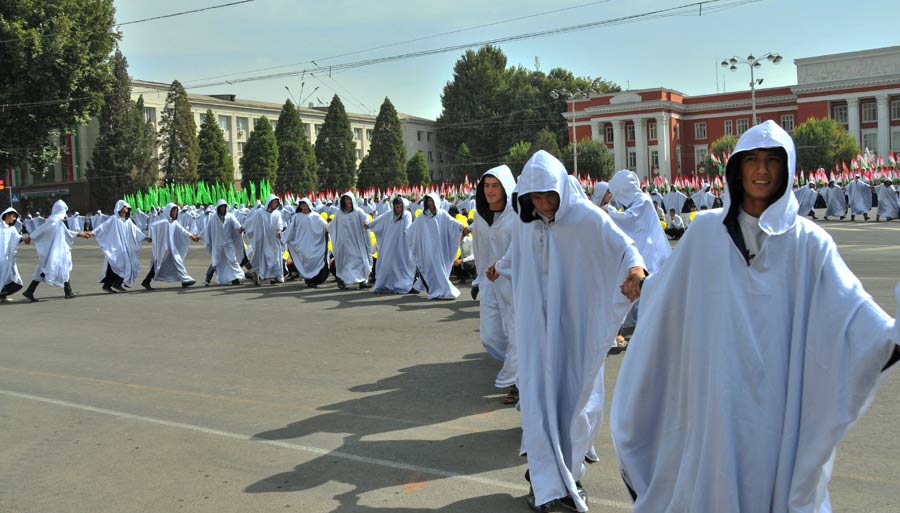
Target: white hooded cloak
column 225, row 245
column 9, row 246
column 806, row 198
column 306, row 239
column 674, row 199
column 350, row 243
column 53, row 242
column 741, row 407
column 888, row 206
column 434, row 242
column 566, row 275
column 639, row 220
column 396, row 270
column 835, row 201
column 491, row 242
column 268, row 251
column 120, row 240
column 170, row 248
column 859, row 196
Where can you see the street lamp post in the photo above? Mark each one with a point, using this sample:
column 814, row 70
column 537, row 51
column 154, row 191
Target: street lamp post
column 753, row 62
column 573, row 96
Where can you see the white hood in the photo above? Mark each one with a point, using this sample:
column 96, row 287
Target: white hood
column 543, row 173
column 625, row 187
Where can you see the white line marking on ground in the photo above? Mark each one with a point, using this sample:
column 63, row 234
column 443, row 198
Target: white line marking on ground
column 296, row 447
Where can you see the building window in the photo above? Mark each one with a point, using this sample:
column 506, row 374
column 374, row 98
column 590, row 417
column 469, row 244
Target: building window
column 629, row 132
column 430, row 156
column 307, row 130
column 700, row 158
column 419, row 135
column 742, row 125
column 318, row 130
column 651, row 128
column 895, row 109
column 609, row 134
column 729, row 127
column 787, row 122
column 700, row 130
column 440, row 157
column 243, row 125
column 150, row 115
column 870, row 141
column 240, row 149
column 359, row 154
column 654, row 159
column 429, row 136
column 678, row 159
column 357, row 133
column 869, row 112
column 369, row 134
column 839, row 114
column 632, row 160
column 225, row 123
column 677, row 131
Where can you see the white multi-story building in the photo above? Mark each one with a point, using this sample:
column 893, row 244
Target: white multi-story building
column 236, row 118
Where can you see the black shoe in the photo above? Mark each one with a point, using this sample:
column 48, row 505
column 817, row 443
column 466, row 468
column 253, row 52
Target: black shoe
column 842, row 218
column 825, row 218
column 866, row 217
column 146, row 285
column 119, row 288
column 186, row 284
column 235, row 282
column 29, row 292
column 108, row 289
column 68, row 290
column 365, row 285
column 547, row 506
column 474, row 292
column 342, row 285
column 568, row 502
column 310, row 284
column 852, row 218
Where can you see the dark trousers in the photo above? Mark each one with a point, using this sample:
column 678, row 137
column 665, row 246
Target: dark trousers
column 465, row 271
column 675, row 233
column 112, row 279
column 10, row 288
column 151, row 274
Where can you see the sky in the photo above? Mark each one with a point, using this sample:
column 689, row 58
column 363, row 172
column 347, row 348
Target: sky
column 679, row 52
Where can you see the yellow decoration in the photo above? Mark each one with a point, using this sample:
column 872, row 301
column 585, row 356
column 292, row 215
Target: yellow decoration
column 372, row 238
column 462, row 219
column 664, row 225
column 472, row 214
column 329, row 245
column 287, row 256
column 418, row 212
column 693, row 215
column 458, row 253
column 324, row 216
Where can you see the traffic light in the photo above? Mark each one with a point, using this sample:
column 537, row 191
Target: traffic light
column 2, row 185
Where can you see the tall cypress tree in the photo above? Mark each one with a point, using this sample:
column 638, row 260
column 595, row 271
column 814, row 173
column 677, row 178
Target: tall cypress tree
column 260, row 160
column 296, row 157
column 335, row 149
column 178, row 137
column 146, row 167
column 386, row 163
column 417, row 170
column 110, row 168
column 214, row 163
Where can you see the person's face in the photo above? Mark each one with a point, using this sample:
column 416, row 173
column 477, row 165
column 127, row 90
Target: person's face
column 398, row 209
column 429, row 204
column 607, row 197
column 221, row 209
column 124, row 212
column 272, row 205
column 173, row 213
column 10, row 219
column 547, row 203
column 346, row 203
column 493, row 190
column 763, row 173
column 304, row 208
column 672, row 213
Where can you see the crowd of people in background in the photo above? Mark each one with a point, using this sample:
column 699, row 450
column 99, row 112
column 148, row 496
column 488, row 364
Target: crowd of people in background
column 736, row 404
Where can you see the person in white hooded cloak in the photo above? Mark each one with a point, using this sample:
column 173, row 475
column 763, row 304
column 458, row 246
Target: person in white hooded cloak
column 120, row 241
column 306, row 239
column 53, row 242
column 264, row 228
column 350, row 244
column 492, row 230
column 221, row 235
column 434, row 239
column 835, row 201
column 396, row 270
column 741, row 408
column 859, row 198
column 170, row 247
column 10, row 238
column 888, row 204
column 806, row 199
column 573, row 273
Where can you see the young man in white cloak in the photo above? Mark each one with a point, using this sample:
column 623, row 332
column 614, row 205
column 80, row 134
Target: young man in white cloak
column 396, row 270
column 53, row 242
column 10, row 238
column 263, row 228
column 806, row 199
column 859, row 198
column 674, row 199
column 306, row 239
column 835, row 201
column 222, row 237
column 573, row 271
column 120, row 240
column 170, row 248
column 434, row 239
column 350, row 244
column 492, row 231
column 741, row 408
column 888, row 205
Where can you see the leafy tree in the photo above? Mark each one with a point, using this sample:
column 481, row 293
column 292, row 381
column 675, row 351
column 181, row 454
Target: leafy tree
column 178, row 137
column 335, row 149
column 417, row 170
column 56, row 69
column 386, row 162
column 214, row 164
column 822, row 142
column 594, row 160
column 112, row 161
column 546, row 140
column 719, row 148
column 518, row 155
column 463, row 165
column 296, row 157
column 260, row 160
column 146, row 167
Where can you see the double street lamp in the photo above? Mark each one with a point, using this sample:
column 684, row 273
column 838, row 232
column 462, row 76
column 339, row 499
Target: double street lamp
column 573, row 96
column 753, row 62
